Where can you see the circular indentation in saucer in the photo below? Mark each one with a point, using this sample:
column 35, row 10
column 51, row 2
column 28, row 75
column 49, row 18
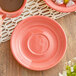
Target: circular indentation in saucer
column 38, row 44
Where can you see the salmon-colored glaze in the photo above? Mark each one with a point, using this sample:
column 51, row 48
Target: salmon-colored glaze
column 38, row 43
column 60, row 8
column 5, row 14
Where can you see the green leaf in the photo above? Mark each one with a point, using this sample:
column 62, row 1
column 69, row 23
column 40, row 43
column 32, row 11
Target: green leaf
column 68, row 73
column 73, row 74
column 74, row 67
column 68, row 68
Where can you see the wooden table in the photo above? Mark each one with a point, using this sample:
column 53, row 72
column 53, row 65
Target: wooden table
column 10, row 67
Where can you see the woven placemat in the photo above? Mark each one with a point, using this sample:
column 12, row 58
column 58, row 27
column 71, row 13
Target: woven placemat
column 33, row 7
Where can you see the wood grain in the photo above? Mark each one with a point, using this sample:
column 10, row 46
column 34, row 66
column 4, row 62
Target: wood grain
column 10, row 67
